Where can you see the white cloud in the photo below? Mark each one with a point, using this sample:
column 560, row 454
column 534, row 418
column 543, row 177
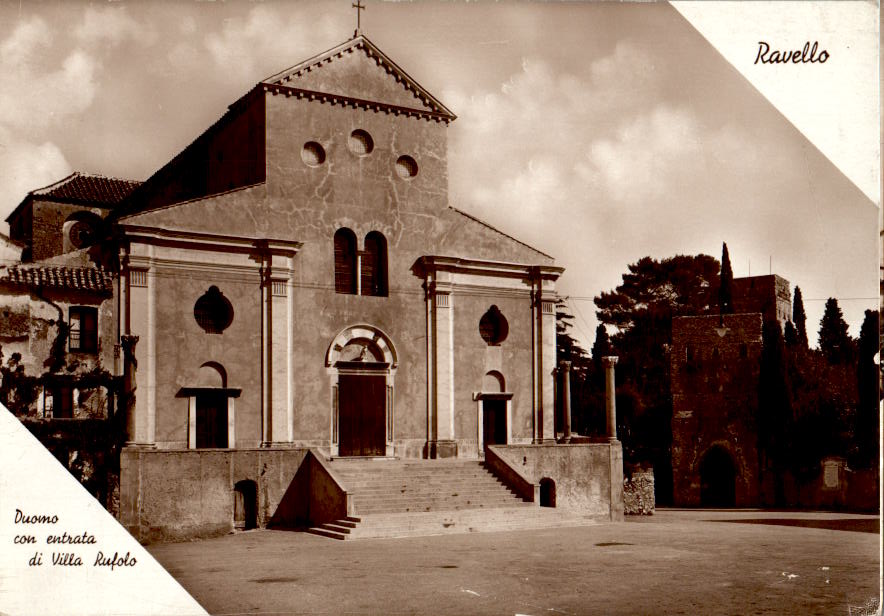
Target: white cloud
column 111, row 25
column 267, row 40
column 26, row 166
column 33, row 98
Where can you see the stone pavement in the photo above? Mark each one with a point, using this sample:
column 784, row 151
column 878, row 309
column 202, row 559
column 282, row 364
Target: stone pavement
column 674, row 562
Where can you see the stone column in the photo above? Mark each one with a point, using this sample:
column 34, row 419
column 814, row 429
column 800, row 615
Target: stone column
column 128, row 398
column 610, row 398
column 565, row 370
column 266, row 353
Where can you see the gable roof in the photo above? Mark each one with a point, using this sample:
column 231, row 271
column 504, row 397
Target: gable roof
column 85, row 189
column 288, row 79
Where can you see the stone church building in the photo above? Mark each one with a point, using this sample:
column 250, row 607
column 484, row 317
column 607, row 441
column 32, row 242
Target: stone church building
column 294, row 289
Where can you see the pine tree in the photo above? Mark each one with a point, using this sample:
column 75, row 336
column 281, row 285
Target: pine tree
column 835, row 343
column 725, row 289
column 799, row 318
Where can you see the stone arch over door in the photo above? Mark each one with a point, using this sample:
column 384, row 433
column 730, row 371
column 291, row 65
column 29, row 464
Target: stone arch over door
column 494, row 411
column 361, row 362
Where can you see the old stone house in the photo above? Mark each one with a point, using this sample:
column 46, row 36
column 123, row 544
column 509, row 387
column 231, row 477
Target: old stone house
column 297, row 288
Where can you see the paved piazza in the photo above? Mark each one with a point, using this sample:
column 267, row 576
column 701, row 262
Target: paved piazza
column 674, row 562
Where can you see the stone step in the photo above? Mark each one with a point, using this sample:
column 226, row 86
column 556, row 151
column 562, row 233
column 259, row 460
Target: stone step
column 411, row 482
column 426, row 507
column 427, row 487
column 425, row 524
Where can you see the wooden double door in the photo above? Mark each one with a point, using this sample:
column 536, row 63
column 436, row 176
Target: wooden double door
column 362, row 415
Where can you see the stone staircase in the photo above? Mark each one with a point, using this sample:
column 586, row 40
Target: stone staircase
column 401, row 498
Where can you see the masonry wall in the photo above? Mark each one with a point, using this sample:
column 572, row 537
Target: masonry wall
column 169, row 496
column 714, row 376
column 769, row 295
column 588, row 477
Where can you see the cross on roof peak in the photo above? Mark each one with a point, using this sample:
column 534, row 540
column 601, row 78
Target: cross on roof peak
column 359, row 8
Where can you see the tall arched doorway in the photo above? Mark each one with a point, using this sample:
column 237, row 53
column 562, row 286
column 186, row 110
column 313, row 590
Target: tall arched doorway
column 362, row 363
column 718, row 476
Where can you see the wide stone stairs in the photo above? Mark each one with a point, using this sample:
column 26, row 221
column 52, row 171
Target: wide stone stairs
column 400, row 498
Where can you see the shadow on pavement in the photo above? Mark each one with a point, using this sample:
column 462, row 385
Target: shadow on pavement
column 855, row 525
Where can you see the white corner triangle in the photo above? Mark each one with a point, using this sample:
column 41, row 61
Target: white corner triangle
column 835, row 104
column 34, row 483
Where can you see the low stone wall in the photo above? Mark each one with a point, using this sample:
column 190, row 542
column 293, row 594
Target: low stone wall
column 588, row 478
column 638, row 491
column 175, row 495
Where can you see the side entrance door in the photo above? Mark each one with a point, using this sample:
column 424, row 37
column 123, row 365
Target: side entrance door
column 494, row 422
column 211, row 419
column 362, row 415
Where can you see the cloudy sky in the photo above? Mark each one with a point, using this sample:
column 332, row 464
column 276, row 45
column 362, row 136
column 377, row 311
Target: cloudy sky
column 599, row 133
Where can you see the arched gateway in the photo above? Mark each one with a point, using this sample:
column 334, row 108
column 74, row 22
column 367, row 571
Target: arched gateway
column 362, row 362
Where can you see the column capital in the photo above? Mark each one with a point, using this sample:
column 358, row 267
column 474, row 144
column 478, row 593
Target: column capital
column 609, row 361
column 564, row 365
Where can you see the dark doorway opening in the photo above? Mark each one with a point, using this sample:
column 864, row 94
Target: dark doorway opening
column 245, row 505
column 717, row 479
column 493, row 422
column 211, row 419
column 362, row 415
column 547, row 492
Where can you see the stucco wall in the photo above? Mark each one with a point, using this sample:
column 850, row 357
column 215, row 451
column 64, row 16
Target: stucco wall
column 167, row 496
column 588, row 477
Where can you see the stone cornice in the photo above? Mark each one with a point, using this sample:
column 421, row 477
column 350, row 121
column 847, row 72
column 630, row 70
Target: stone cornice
column 207, row 241
column 431, row 263
column 363, row 44
column 356, row 103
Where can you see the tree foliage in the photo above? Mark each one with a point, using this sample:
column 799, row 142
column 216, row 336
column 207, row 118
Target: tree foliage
column 642, row 308
column 679, row 285
column 867, row 429
column 726, row 288
column 799, row 318
column 835, row 343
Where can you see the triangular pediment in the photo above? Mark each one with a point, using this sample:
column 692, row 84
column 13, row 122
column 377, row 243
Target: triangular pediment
column 358, row 71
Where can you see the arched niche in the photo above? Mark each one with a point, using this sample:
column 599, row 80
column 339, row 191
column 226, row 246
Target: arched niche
column 493, row 383
column 212, row 375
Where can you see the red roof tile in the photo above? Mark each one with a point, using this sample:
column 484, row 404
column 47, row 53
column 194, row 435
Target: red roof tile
column 84, row 188
column 79, row 278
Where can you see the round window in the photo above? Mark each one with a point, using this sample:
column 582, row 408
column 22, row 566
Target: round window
column 81, row 234
column 313, row 154
column 406, row 167
column 361, row 142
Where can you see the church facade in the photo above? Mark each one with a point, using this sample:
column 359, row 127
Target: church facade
column 296, row 281
column 296, row 276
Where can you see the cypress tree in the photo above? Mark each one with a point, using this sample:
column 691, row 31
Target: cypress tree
column 799, row 318
column 725, row 289
column 835, row 343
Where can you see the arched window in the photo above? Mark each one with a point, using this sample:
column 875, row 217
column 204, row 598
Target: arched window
column 345, row 262
column 374, row 265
